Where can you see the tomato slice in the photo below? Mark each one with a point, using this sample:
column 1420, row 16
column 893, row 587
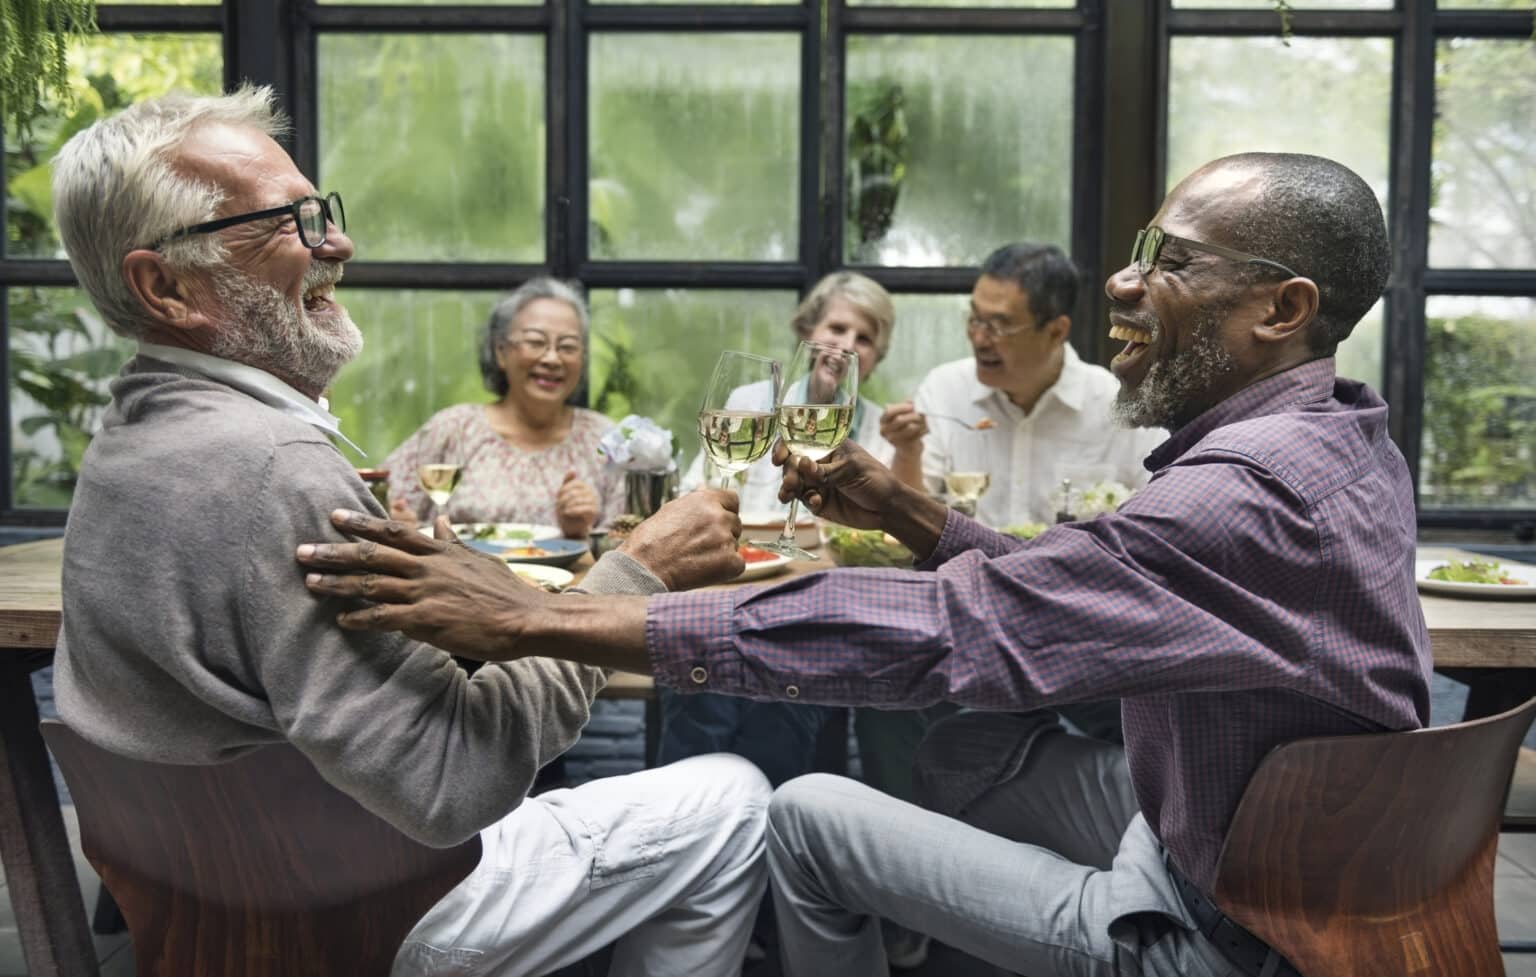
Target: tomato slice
column 752, row 554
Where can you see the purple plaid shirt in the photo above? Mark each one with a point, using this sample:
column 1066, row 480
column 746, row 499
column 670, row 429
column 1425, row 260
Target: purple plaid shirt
column 1258, row 589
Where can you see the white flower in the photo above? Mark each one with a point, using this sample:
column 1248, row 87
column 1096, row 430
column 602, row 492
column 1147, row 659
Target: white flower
column 639, row 444
column 1097, row 499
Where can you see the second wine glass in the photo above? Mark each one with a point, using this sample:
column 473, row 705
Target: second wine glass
column 439, row 479
column 737, row 419
column 821, row 390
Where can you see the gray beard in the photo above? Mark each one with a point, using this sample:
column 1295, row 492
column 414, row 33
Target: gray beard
column 266, row 331
column 1174, row 390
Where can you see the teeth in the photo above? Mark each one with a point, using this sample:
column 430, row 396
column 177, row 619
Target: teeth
column 1129, row 334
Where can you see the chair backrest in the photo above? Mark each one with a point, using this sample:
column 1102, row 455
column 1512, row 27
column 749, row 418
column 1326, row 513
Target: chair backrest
column 1374, row 855
column 250, row 868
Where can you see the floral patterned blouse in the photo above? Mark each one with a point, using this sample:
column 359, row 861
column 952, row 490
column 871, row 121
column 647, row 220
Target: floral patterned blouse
column 502, row 482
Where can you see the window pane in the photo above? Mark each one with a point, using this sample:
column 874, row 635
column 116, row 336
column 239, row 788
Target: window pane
column 962, row 3
column 435, row 3
column 107, row 73
column 928, row 332
column 1479, row 447
column 1327, row 96
column 1359, row 356
column 1485, row 4
column 62, row 356
column 653, row 349
column 160, row 3
column 420, row 354
column 436, row 142
column 1296, row 4
column 946, row 159
column 759, row 3
column 695, row 142
column 1483, row 203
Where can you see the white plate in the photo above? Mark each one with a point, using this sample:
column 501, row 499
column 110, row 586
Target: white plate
column 507, row 533
column 1480, row 590
column 764, row 568
column 536, row 573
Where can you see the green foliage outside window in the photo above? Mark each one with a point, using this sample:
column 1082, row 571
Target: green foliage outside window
column 61, row 353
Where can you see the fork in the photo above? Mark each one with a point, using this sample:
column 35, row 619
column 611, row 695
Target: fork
column 982, row 424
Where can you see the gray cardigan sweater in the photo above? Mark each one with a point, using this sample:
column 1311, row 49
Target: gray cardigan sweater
column 189, row 637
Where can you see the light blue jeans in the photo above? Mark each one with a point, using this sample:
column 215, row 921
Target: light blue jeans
column 668, row 862
column 841, row 856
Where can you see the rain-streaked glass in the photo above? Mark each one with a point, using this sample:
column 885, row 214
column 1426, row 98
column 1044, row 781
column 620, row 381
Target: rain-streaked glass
column 928, row 333
column 62, row 356
column 1326, row 96
column 956, row 145
column 435, row 3
column 1295, row 4
column 1484, row 4
column 653, row 350
column 1482, row 211
column 964, row 3
column 107, row 72
column 1479, row 441
column 439, row 140
column 695, row 146
column 420, row 354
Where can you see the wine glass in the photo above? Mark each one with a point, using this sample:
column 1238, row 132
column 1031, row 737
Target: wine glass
column 737, row 420
column 439, row 479
column 966, row 489
column 815, row 413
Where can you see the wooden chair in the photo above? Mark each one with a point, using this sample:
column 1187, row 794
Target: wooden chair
column 252, row 868
column 1374, row 855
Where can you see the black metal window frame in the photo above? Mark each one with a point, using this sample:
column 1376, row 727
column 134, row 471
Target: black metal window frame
column 1118, row 147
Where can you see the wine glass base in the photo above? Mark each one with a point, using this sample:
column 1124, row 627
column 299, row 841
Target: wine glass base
column 783, row 548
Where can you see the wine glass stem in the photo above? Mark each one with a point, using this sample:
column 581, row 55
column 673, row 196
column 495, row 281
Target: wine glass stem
column 787, row 537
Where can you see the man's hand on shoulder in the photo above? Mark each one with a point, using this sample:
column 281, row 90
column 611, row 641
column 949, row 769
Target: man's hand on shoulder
column 434, row 590
column 691, row 541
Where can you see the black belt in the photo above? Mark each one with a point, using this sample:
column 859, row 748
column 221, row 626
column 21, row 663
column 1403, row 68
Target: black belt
column 1245, row 951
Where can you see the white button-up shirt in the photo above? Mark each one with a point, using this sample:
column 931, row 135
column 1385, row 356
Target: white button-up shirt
column 1070, row 434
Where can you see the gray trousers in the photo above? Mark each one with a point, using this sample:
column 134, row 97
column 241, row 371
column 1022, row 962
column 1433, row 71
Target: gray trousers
column 841, row 856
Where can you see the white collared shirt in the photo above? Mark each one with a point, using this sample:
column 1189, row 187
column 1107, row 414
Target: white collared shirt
column 1070, row 434
column 253, row 382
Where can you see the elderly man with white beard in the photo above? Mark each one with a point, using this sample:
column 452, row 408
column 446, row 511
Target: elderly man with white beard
column 188, row 636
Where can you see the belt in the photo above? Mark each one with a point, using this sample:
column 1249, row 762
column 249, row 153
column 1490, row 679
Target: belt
column 1242, row 949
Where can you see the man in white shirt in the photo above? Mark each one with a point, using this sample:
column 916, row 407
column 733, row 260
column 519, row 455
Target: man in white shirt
column 1048, row 412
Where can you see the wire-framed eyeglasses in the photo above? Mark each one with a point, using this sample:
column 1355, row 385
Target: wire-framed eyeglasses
column 1150, row 241
column 311, row 215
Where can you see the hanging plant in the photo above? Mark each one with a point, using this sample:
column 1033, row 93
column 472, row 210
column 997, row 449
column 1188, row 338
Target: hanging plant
column 34, row 41
column 1283, row 8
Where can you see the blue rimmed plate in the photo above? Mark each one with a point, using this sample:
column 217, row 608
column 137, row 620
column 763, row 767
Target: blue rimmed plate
column 545, row 552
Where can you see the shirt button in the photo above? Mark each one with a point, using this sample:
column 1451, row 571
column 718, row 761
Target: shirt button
column 699, row 675
column 793, row 691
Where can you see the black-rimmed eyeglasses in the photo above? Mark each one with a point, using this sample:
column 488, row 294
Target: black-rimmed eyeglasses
column 1150, row 241
column 311, row 215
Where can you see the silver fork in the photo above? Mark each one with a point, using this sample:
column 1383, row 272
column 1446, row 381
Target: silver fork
column 982, row 424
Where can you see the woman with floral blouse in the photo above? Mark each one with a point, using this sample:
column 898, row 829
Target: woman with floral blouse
column 528, row 456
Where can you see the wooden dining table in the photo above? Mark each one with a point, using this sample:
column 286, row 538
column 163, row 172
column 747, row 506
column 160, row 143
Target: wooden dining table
column 1471, row 638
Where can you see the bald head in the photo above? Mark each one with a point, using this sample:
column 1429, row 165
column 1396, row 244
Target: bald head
column 1310, row 214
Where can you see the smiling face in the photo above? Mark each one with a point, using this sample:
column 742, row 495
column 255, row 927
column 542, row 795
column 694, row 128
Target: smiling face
column 843, row 326
column 273, row 301
column 1028, row 359
column 541, row 377
column 1188, row 323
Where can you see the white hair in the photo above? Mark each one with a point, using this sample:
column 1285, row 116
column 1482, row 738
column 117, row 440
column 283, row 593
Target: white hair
column 116, row 188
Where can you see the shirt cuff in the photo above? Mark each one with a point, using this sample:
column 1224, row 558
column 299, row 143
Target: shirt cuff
column 691, row 641
column 960, row 533
column 620, row 573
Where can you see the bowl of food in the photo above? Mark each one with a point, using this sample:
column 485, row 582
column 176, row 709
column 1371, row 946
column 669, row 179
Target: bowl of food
column 1025, row 530
column 865, row 548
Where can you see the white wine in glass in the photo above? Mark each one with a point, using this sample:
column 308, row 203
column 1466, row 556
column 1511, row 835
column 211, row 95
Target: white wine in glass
column 815, row 415
column 967, row 485
column 737, row 420
column 439, row 480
